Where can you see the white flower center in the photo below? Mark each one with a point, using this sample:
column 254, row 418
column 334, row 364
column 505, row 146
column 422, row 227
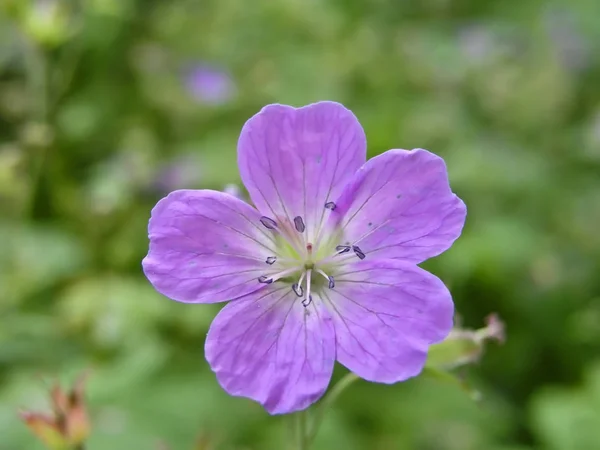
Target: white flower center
column 298, row 260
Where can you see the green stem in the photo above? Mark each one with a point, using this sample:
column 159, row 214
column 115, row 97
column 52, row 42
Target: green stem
column 292, row 432
column 302, row 436
column 68, row 64
column 35, row 66
column 37, row 73
column 331, row 397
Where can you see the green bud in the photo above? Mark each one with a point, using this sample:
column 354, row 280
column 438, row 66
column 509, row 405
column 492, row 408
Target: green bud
column 464, row 346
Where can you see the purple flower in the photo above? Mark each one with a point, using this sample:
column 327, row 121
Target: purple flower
column 184, row 170
column 323, row 269
column 210, row 84
column 571, row 47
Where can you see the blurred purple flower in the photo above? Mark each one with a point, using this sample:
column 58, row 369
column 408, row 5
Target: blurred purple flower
column 570, row 44
column 482, row 43
column 324, row 269
column 477, row 43
column 210, row 84
column 184, row 171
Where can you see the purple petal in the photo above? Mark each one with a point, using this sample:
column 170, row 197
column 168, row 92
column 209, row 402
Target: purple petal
column 294, row 161
column 205, row 247
column 399, row 205
column 268, row 347
column 386, row 314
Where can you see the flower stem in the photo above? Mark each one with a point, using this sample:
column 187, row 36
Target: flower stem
column 346, row 381
column 37, row 76
column 302, row 430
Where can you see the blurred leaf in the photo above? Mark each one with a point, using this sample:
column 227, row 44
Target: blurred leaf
column 36, row 257
column 115, row 311
column 569, row 419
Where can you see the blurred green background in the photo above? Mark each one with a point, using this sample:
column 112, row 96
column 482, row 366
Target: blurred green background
column 107, row 105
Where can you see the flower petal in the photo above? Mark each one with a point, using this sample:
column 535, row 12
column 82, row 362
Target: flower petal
column 206, row 247
column 294, row 161
column 399, row 205
column 386, row 314
column 270, row 348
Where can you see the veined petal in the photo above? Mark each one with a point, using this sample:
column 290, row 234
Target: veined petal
column 399, row 205
column 294, row 161
column 386, row 314
column 206, row 247
column 268, row 347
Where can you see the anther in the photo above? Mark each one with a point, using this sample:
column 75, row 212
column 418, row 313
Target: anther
column 264, row 279
column 331, row 282
column 358, row 252
column 307, row 302
column 299, row 224
column 330, row 205
column 342, row 249
column 297, row 289
column 271, row 260
column 268, row 222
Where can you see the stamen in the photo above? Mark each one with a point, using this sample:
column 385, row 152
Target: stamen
column 268, row 279
column 330, row 280
column 268, row 222
column 264, row 279
column 301, row 278
column 358, row 252
column 271, row 260
column 299, row 224
column 342, row 249
column 330, row 205
column 337, row 258
column 297, row 289
column 308, row 298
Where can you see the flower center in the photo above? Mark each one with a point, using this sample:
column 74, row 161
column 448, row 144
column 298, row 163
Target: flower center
column 297, row 260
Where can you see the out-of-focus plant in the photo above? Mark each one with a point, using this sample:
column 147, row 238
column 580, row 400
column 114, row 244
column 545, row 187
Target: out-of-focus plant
column 67, row 427
column 202, row 442
column 569, row 418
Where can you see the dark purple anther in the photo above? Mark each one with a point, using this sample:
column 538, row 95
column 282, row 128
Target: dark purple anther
column 268, row 222
column 358, row 252
column 305, row 302
column 330, row 205
column 271, row 260
column 299, row 224
column 331, row 282
column 264, row 279
column 297, row 289
column 342, row 249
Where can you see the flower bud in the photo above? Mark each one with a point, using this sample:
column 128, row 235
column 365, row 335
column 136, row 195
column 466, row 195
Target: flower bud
column 68, row 426
column 46, row 429
column 464, row 346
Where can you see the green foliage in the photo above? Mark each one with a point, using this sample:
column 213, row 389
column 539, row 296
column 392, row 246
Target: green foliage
column 97, row 123
column 569, row 418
